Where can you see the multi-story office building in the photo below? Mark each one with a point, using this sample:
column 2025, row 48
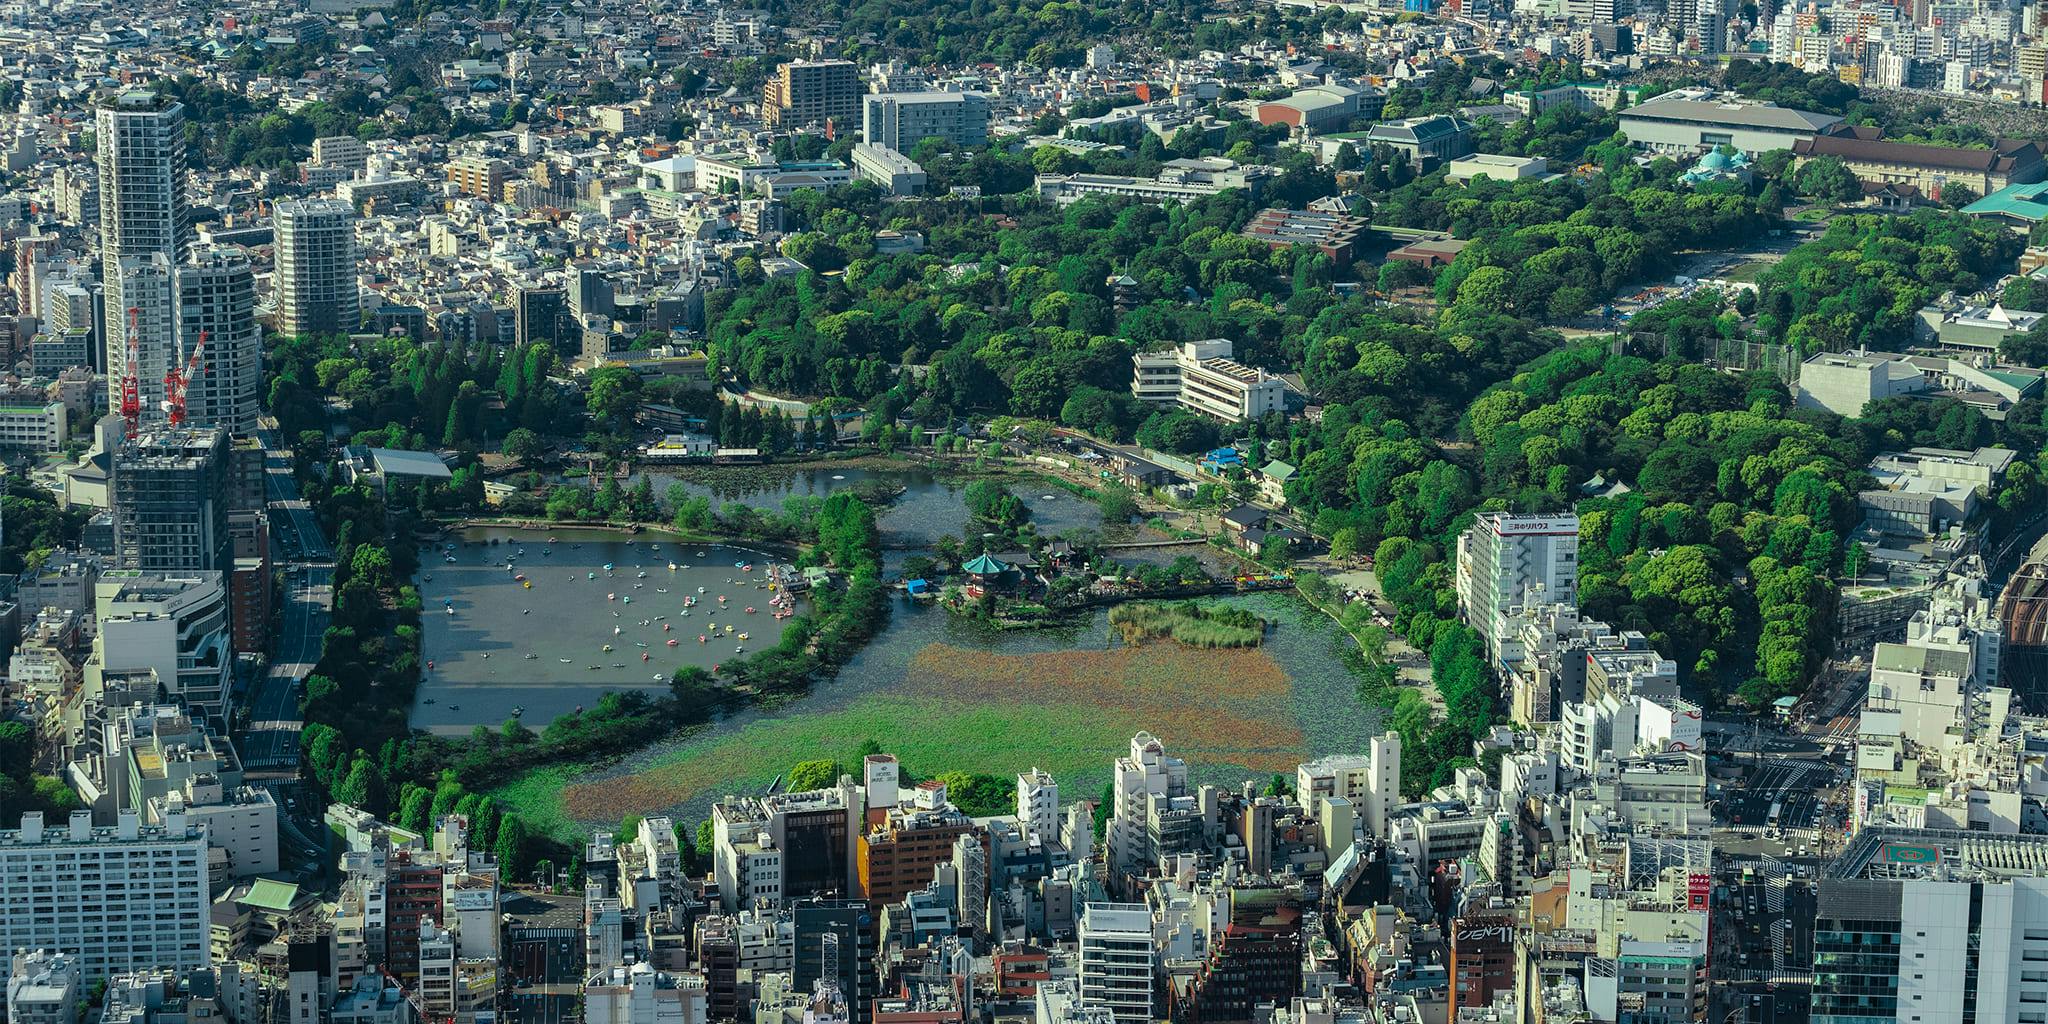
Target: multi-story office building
column 316, row 267
column 1500, row 558
column 119, row 898
column 1201, row 376
column 895, row 857
column 170, row 502
column 1369, row 782
column 217, row 301
column 835, row 943
column 812, row 93
column 31, row 423
column 176, row 626
column 901, row 120
column 1936, row 925
column 786, row 846
column 1117, row 960
column 143, row 216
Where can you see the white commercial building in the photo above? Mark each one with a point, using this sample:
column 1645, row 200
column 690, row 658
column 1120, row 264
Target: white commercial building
column 174, row 625
column 121, row 898
column 1501, row 558
column 316, row 267
column 1931, row 924
column 1202, row 377
column 1118, row 960
column 639, row 994
column 33, row 426
column 1369, row 782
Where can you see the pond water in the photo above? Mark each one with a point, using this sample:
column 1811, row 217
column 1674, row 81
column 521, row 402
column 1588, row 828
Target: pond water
column 496, row 643
column 941, row 692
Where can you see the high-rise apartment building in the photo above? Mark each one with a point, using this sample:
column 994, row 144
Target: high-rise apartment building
column 169, row 493
column 1038, row 804
column 1117, row 960
column 1501, row 558
column 119, row 898
column 316, row 267
column 900, row 120
column 217, row 301
column 143, row 217
column 812, row 93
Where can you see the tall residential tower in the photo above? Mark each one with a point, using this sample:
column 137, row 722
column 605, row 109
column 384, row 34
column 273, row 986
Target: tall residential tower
column 316, row 267
column 144, row 230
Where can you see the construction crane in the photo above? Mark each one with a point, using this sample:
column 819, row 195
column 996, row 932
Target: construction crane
column 178, row 378
column 131, row 384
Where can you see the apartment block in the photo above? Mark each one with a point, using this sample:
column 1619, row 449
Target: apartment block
column 118, row 898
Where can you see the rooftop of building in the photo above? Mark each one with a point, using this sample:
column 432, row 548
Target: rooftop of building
column 1736, row 113
column 1894, row 854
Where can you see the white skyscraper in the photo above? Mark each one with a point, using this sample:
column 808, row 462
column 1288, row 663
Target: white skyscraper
column 217, row 298
column 141, row 153
column 1502, row 556
column 117, row 899
column 316, row 267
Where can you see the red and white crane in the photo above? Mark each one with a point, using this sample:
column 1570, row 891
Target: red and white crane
column 131, row 384
column 178, row 378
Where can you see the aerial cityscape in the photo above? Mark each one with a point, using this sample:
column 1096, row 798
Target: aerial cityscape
column 1018, row 512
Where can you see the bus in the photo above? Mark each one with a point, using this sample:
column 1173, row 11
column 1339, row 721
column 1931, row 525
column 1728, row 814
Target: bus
column 1777, row 808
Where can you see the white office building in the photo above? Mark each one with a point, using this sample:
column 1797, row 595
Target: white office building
column 31, row 425
column 176, row 626
column 217, row 302
column 1929, row 924
column 118, row 899
column 1506, row 560
column 316, row 267
column 1369, row 782
column 1202, row 377
column 141, row 153
column 1118, row 960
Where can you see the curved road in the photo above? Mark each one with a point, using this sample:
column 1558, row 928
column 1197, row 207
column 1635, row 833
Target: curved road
column 272, row 741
